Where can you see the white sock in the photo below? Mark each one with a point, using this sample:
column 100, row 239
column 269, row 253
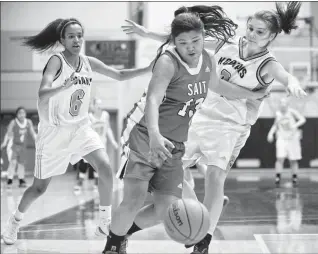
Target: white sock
column 105, row 212
column 18, row 215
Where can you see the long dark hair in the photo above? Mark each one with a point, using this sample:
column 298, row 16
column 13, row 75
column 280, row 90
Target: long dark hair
column 50, row 35
column 283, row 19
column 210, row 19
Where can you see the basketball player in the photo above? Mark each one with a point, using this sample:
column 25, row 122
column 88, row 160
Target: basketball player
column 65, row 134
column 155, row 145
column 100, row 123
column 15, row 141
column 286, row 124
column 220, row 129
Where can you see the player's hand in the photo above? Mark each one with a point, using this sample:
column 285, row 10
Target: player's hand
column 270, row 138
column 134, row 28
column 295, row 90
column 159, row 149
column 70, row 81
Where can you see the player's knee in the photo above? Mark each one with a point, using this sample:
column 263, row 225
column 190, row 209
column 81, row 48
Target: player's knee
column 216, row 175
column 134, row 199
column 103, row 168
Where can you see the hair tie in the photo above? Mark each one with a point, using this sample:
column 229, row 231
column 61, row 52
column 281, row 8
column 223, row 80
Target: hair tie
column 68, row 23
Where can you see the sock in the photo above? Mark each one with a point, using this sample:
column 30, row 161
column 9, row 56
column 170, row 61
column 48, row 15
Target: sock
column 18, row 215
column 105, row 212
column 113, row 242
column 208, row 238
column 134, row 228
column 294, row 177
column 278, row 177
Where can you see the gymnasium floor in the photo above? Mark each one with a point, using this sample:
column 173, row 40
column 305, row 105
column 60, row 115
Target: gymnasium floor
column 259, row 218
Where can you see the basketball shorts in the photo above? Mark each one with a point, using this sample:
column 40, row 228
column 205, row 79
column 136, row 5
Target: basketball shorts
column 290, row 149
column 57, row 146
column 168, row 179
column 18, row 153
column 215, row 143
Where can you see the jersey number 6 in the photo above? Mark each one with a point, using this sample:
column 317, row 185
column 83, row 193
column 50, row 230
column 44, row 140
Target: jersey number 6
column 76, row 102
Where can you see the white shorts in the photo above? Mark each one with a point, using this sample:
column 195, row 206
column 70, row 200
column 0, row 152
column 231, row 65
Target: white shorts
column 215, row 143
column 290, row 149
column 56, row 147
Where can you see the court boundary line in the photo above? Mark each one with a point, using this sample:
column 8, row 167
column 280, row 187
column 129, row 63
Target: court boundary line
column 260, row 241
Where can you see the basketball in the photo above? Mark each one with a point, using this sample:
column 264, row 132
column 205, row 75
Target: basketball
column 187, row 221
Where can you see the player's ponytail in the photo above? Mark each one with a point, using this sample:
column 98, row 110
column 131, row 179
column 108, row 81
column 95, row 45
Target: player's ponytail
column 216, row 24
column 50, row 35
column 283, row 19
column 287, row 18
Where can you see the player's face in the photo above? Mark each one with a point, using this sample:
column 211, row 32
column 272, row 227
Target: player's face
column 258, row 34
column 190, row 45
column 73, row 39
column 21, row 115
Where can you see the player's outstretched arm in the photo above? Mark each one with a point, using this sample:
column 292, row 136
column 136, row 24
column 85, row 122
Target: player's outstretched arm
column 277, row 71
column 133, row 28
column 100, row 67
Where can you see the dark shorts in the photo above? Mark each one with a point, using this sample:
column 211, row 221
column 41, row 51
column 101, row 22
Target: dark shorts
column 168, row 178
column 19, row 153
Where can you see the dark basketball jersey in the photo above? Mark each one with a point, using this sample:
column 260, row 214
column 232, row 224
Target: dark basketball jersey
column 19, row 131
column 184, row 95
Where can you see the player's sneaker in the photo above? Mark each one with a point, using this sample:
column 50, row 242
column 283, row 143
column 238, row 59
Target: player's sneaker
column 22, row 183
column 202, row 247
column 103, row 227
column 10, row 234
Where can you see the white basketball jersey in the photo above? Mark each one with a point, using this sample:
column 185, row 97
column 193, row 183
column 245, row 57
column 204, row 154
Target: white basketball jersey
column 100, row 125
column 71, row 105
column 240, row 71
column 284, row 125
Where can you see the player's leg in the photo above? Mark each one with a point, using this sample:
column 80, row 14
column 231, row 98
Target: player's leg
column 281, row 154
column 82, row 170
column 294, row 155
column 21, row 167
column 86, row 144
column 216, row 173
column 134, row 196
column 137, row 174
column 98, row 159
column 12, row 157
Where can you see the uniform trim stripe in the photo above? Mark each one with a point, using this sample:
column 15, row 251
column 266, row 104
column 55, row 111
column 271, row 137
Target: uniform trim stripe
column 250, row 57
column 262, row 83
column 133, row 117
column 80, row 63
column 59, row 71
